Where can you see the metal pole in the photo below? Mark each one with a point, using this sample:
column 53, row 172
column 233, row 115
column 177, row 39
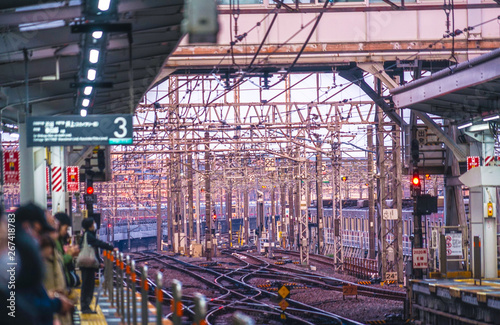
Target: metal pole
column 159, row 298
column 208, row 200
column 144, row 295
column 241, row 319
column 177, row 302
column 111, row 283
column 272, row 229
column 371, row 197
column 245, row 216
column 134, row 297
column 200, row 309
column 190, row 196
column 319, row 201
column 159, row 235
column 127, row 280
column 122, row 290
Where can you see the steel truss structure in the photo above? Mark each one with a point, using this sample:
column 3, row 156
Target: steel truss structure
column 229, row 143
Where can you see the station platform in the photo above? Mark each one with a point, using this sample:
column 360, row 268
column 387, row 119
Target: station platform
column 468, row 301
column 106, row 314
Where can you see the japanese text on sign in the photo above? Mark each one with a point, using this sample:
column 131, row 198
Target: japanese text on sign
column 420, row 258
column 11, row 167
column 70, row 130
column 472, row 161
column 72, row 178
column 453, row 244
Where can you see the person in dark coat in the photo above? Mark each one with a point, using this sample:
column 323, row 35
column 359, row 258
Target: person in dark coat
column 33, row 305
column 88, row 274
column 71, row 252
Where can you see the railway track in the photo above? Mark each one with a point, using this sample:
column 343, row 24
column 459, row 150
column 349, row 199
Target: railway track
column 333, row 283
column 238, row 295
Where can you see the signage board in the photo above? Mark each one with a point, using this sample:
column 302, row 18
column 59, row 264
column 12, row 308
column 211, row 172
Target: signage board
column 390, row 214
column 420, row 258
column 72, row 179
column 391, row 276
column 453, row 244
column 47, row 179
column 71, row 130
column 349, row 290
column 472, row 161
column 284, row 292
column 11, row 167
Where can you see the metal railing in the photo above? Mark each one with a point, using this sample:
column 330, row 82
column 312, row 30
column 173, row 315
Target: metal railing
column 360, row 267
column 122, row 282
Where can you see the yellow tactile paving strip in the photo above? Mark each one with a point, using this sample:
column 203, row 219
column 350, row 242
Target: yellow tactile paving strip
column 100, row 319
column 89, row 319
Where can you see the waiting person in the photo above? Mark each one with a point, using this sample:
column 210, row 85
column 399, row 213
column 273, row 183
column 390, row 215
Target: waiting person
column 71, row 251
column 30, row 224
column 54, row 280
column 88, row 273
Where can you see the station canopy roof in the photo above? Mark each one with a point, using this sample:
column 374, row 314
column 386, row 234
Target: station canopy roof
column 466, row 92
column 42, row 31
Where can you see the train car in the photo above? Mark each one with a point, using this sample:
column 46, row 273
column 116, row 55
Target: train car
column 355, row 228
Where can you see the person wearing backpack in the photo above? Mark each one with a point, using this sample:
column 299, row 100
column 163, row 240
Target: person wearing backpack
column 87, row 268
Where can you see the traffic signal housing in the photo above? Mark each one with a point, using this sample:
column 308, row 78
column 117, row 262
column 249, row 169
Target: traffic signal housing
column 415, row 151
column 416, row 185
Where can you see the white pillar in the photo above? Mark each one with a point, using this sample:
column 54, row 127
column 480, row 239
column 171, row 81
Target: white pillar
column 58, row 192
column 490, row 233
column 32, row 169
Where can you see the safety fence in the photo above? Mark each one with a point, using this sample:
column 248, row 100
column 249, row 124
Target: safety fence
column 361, row 267
column 122, row 281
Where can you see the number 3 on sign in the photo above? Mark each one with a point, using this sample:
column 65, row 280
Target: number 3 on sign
column 122, row 127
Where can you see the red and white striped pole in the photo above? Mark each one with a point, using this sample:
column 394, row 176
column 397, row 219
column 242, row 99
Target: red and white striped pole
column 57, row 184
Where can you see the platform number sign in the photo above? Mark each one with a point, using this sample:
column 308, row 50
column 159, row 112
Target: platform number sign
column 472, row 161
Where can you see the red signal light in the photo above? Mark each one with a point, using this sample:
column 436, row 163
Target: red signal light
column 90, row 190
column 416, row 181
column 214, row 217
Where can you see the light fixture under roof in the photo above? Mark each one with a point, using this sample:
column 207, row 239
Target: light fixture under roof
column 464, row 125
column 91, row 74
column 83, row 112
column 93, row 56
column 491, row 118
column 97, row 34
column 87, row 90
column 85, row 102
column 103, row 5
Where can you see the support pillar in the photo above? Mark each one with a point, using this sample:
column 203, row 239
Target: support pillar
column 159, row 236
column 58, row 186
column 371, row 197
column 319, row 202
column 189, row 168
column 245, row 216
column 32, row 170
column 483, row 182
column 272, row 229
column 303, row 189
column 208, row 200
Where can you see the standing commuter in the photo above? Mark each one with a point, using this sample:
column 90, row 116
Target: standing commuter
column 71, row 251
column 30, row 224
column 88, row 273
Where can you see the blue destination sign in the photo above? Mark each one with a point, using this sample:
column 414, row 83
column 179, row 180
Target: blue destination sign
column 73, row 130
